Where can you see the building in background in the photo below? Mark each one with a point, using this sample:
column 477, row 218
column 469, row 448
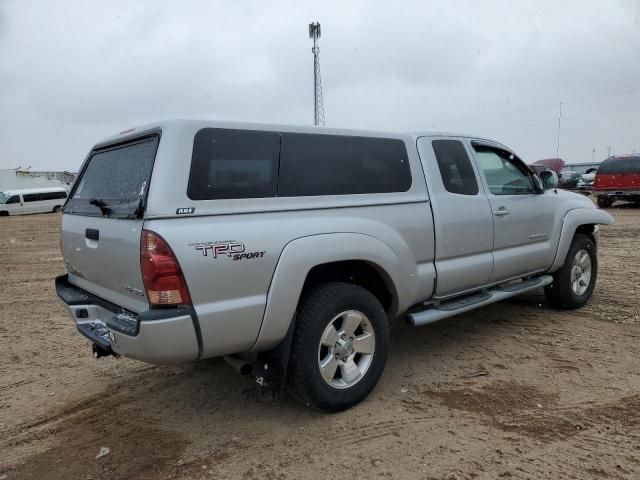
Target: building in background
column 582, row 167
column 16, row 179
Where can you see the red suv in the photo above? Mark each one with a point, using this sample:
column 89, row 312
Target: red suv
column 618, row 178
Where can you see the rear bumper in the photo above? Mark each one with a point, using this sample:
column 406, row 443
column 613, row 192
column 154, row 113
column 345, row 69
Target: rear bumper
column 160, row 336
column 618, row 194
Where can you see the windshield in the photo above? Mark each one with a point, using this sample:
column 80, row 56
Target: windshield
column 114, row 182
column 3, row 197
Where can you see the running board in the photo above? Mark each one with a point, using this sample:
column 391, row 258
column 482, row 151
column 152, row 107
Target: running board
column 476, row 300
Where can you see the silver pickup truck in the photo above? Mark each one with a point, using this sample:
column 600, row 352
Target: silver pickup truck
column 287, row 250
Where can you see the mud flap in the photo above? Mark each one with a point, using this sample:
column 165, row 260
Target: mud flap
column 271, row 368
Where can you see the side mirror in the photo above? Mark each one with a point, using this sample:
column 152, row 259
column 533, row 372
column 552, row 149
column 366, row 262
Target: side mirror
column 549, row 179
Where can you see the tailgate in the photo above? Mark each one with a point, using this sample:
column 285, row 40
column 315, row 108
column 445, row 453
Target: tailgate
column 102, row 222
column 618, row 181
column 108, row 267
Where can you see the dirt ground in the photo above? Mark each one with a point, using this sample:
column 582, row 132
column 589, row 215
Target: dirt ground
column 515, row 390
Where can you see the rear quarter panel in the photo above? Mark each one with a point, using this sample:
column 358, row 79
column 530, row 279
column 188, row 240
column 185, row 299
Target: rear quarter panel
column 230, row 295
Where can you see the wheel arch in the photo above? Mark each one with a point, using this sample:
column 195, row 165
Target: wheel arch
column 363, row 273
column 588, row 229
column 582, row 220
column 310, row 260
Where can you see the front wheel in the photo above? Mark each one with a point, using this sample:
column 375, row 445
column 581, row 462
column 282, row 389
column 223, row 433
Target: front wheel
column 339, row 347
column 604, row 202
column 574, row 282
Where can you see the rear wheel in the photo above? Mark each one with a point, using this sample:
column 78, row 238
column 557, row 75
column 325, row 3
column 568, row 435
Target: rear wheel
column 339, row 347
column 573, row 284
column 604, row 202
column 57, row 209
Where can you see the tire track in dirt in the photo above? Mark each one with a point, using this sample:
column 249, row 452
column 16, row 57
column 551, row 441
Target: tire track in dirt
column 137, row 449
column 381, row 429
column 68, row 439
column 523, row 409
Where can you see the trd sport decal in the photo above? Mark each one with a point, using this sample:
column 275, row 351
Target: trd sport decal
column 226, row 248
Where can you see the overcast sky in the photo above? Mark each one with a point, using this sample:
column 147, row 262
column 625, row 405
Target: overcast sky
column 73, row 72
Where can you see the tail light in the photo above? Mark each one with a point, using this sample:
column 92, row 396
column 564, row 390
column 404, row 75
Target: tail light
column 161, row 273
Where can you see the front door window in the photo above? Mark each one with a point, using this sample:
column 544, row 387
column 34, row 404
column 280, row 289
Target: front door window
column 504, row 173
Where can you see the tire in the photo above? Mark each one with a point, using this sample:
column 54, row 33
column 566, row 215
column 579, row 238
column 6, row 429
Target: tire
column 604, row 202
column 566, row 293
column 342, row 306
column 57, row 209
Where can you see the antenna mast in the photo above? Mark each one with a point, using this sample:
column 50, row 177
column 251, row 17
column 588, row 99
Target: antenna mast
column 318, row 108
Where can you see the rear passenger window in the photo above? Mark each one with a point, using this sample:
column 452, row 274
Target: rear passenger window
column 233, row 164
column 312, row 164
column 32, row 197
column 455, row 167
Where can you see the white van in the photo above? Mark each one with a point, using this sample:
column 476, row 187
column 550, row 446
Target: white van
column 32, row 200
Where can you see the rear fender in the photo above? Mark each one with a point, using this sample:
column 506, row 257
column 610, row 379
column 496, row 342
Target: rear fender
column 301, row 255
column 572, row 220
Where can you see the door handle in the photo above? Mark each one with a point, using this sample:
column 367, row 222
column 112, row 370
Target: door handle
column 92, row 234
column 501, row 212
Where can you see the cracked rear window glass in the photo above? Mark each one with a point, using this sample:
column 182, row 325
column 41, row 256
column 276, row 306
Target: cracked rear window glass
column 115, row 178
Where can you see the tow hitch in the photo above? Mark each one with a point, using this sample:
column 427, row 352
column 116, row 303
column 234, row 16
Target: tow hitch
column 98, row 334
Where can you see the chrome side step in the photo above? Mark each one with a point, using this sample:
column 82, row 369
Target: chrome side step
column 476, row 300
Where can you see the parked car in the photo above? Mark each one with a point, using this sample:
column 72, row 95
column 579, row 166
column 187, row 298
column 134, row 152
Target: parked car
column 289, row 249
column 586, row 181
column 569, row 179
column 618, row 178
column 32, row 200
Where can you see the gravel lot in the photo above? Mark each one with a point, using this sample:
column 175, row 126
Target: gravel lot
column 515, row 390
